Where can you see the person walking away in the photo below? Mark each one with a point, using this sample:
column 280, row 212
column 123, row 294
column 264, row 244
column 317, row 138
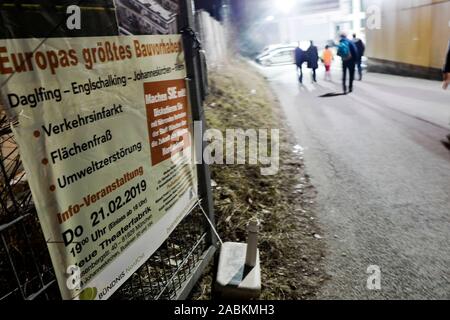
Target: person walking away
column 446, row 70
column 327, row 59
column 313, row 59
column 446, row 74
column 348, row 52
column 300, row 58
column 361, row 49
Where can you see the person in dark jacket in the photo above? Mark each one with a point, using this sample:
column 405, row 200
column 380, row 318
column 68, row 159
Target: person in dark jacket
column 313, row 59
column 348, row 61
column 300, row 58
column 446, row 69
column 361, row 49
column 446, row 74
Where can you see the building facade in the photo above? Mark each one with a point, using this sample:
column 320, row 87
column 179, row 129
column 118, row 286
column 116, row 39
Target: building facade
column 321, row 21
column 410, row 38
column 170, row 5
column 139, row 17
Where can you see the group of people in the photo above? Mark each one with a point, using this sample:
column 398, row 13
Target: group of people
column 350, row 51
column 310, row 56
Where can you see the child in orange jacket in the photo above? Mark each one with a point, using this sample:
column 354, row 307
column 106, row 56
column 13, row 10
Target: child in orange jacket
column 327, row 59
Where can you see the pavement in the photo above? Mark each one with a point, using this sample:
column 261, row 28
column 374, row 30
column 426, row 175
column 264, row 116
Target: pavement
column 378, row 160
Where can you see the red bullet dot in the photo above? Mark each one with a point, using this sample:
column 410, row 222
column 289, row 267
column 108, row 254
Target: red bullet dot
column 44, row 161
column 37, row 134
column 52, row 188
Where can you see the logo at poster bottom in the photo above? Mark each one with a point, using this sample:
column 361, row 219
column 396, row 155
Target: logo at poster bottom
column 88, row 294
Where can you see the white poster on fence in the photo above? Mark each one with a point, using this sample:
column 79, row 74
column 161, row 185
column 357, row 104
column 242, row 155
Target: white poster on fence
column 104, row 131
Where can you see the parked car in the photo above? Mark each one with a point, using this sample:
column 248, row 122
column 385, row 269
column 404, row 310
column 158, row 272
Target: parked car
column 274, row 47
column 278, row 56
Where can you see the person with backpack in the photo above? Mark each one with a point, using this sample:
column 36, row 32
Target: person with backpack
column 300, row 58
column 313, row 59
column 349, row 53
column 361, row 49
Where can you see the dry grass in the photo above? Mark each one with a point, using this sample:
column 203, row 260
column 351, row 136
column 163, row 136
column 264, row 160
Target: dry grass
column 291, row 257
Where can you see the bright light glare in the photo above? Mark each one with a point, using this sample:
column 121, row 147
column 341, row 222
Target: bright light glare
column 270, row 18
column 285, row 6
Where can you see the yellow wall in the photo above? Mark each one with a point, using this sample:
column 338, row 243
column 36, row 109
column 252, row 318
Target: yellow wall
column 412, row 31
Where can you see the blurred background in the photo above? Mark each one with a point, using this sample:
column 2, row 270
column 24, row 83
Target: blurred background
column 405, row 37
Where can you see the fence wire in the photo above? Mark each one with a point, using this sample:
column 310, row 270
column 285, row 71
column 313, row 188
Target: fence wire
column 26, row 270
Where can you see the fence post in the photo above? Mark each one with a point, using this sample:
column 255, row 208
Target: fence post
column 192, row 59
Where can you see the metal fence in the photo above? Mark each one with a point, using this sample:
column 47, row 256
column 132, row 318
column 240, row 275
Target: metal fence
column 26, row 270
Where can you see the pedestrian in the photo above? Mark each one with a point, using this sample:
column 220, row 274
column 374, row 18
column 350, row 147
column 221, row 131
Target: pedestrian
column 446, row 74
column 300, row 58
column 446, row 70
column 348, row 52
column 327, row 59
column 361, row 49
column 313, row 59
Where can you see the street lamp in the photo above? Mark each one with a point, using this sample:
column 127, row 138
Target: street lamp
column 226, row 10
column 285, row 6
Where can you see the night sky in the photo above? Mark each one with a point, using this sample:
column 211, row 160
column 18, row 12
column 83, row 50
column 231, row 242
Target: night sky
column 243, row 15
column 244, row 10
column 212, row 6
column 246, row 17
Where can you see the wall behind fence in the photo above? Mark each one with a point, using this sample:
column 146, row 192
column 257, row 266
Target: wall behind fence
column 214, row 37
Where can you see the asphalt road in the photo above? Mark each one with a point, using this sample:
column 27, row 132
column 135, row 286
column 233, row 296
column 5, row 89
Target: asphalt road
column 382, row 173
